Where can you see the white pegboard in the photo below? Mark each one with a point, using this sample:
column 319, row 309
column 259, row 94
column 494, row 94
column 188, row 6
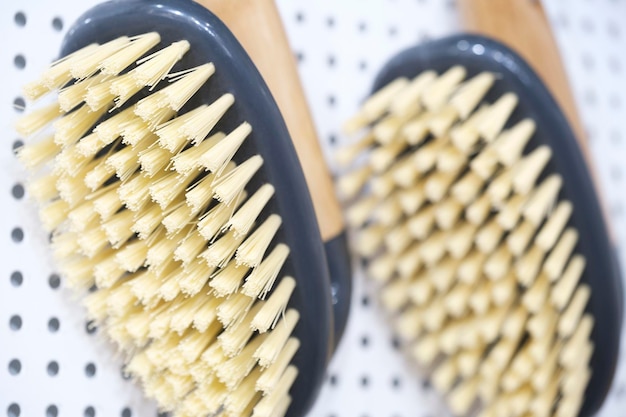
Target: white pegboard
column 340, row 46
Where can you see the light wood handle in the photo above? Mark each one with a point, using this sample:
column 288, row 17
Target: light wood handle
column 523, row 26
column 257, row 26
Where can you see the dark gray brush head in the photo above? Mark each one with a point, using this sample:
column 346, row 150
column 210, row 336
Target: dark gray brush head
column 602, row 272
column 211, row 41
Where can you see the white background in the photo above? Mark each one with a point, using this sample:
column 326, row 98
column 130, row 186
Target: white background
column 340, row 46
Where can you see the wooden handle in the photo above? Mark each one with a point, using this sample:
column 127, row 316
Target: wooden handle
column 258, row 27
column 523, row 26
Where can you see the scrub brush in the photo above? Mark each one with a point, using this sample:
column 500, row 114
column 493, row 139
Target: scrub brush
column 480, row 222
column 178, row 208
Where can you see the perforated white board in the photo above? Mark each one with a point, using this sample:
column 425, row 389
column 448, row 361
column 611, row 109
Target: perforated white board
column 340, row 46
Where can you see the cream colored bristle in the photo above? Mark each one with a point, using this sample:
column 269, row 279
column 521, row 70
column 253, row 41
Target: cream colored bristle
column 395, row 295
column 36, row 120
column 527, row 267
column 197, row 127
column 148, row 221
column 387, row 129
column 190, row 248
column 534, row 298
column 397, row 239
column 461, row 239
column 252, row 250
column 544, row 373
column 192, row 346
column 214, row 220
column 200, row 194
column 382, row 157
column 540, row 323
column 408, row 324
column 433, row 249
column 504, row 289
column 416, row 130
column 166, row 188
column 132, row 256
column 542, row 403
column 445, row 375
column 568, row 356
column 492, row 322
column 162, row 250
column 347, row 154
column 381, row 268
column 450, row 159
column 206, row 314
column 195, row 276
column 426, row 156
column 234, row 338
column 144, row 286
column 499, row 113
column 377, row 103
column 569, row 406
column 227, row 187
column 183, row 313
column 426, row 349
column 90, row 63
column 420, row 225
column 156, row 66
column 409, row 262
column 470, row 268
column 437, row 93
column 465, row 136
column 269, row 351
column 270, row 376
column 153, row 160
column 435, row 315
column 412, row 198
column 81, row 216
column 444, row 274
column 244, row 218
column 447, row 213
column 440, row 122
column 106, row 202
column 477, row 212
column 566, row 284
column 512, row 142
column 500, row 187
column 557, row 259
column 358, row 213
column 53, row 214
column 551, row 230
column 519, row 238
column 222, row 250
column 71, row 127
column 228, row 279
column 389, row 212
column 64, row 244
column 531, row 166
column 261, row 279
column 92, row 241
column 462, row 397
column 489, row 236
column 438, row 184
column 457, row 299
column 125, row 162
column 509, row 214
column 542, row 199
column 480, row 299
column 404, row 172
column 111, row 128
column 131, row 52
column 485, row 163
column 515, row 323
column 178, row 218
column 406, row 99
column 98, row 175
column 70, row 162
column 382, row 185
column 277, row 401
column 572, row 314
column 274, row 307
column 35, row 154
column 99, row 95
column 421, row 290
column 236, row 369
column 467, row 187
column 189, row 159
column 467, row 97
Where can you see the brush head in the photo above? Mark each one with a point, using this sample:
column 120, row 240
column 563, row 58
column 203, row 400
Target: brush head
column 479, row 55
column 234, row 74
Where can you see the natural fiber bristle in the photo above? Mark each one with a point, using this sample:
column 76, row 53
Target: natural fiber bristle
column 148, row 209
column 464, row 232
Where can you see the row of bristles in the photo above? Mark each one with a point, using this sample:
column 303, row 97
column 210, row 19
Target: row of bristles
column 473, row 251
column 149, row 208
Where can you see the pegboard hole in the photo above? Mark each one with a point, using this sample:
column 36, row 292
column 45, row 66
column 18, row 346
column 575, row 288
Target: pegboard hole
column 19, row 104
column 20, row 19
column 53, row 325
column 89, row 412
column 14, row 410
column 53, row 368
column 17, row 234
column 15, row 367
column 17, row 278
column 57, row 24
column 17, row 191
column 52, row 411
column 90, row 370
column 54, row 281
column 90, row 327
column 17, row 144
column 15, row 322
column 126, row 412
column 19, row 61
